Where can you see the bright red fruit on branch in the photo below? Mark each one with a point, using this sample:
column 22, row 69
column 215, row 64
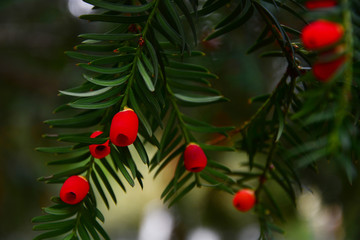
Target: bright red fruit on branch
column 321, row 34
column 244, row 200
column 315, row 4
column 323, row 71
column 124, row 128
column 74, row 189
column 195, row 159
column 99, row 150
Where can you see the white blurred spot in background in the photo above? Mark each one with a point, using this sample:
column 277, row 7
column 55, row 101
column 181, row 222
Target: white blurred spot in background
column 203, row 234
column 325, row 221
column 78, row 7
column 157, row 223
column 250, row 232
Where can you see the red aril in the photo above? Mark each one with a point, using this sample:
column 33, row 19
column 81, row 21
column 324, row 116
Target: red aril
column 124, row 128
column 321, row 34
column 195, row 159
column 99, row 150
column 74, row 189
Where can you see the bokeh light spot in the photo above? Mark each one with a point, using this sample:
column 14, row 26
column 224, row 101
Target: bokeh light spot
column 78, row 7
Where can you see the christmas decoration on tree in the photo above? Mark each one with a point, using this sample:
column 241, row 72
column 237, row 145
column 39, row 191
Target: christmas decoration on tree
column 140, row 76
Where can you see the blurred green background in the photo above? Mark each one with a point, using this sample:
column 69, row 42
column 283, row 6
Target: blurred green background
column 33, row 37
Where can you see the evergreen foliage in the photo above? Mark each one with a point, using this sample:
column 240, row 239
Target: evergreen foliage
column 142, row 63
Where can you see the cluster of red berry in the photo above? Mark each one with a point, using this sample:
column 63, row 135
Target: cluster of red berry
column 123, row 132
column 320, row 35
column 324, row 36
column 195, row 161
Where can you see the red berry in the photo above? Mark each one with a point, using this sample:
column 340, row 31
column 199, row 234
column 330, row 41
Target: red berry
column 74, row 189
column 244, row 200
column 195, row 159
column 323, row 71
column 141, row 41
column 99, row 150
column 315, row 4
column 321, row 34
column 124, row 128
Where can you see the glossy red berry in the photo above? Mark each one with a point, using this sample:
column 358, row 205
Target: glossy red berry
column 195, row 159
column 321, row 34
column 324, row 71
column 244, row 200
column 99, row 150
column 124, row 128
column 74, row 189
column 315, row 4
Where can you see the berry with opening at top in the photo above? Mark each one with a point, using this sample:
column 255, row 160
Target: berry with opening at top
column 195, row 159
column 74, row 189
column 321, row 34
column 124, row 128
column 99, row 150
column 244, row 200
